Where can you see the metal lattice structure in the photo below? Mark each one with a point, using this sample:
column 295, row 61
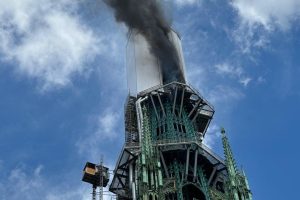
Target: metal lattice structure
column 164, row 157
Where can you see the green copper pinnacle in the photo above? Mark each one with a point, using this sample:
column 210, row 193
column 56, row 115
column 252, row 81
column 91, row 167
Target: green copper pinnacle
column 237, row 184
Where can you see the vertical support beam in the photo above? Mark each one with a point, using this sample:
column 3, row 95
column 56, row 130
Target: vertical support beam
column 164, row 164
column 197, row 104
column 187, row 162
column 178, row 180
column 174, row 104
column 242, row 197
column 133, row 191
column 140, row 116
column 212, row 175
column 94, row 192
column 154, row 107
column 152, row 183
column 206, row 126
column 159, row 174
column 215, row 181
column 195, row 165
column 181, row 104
column 136, row 183
column 195, row 116
column 130, row 175
column 162, row 107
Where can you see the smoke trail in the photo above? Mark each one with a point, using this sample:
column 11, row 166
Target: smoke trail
column 147, row 17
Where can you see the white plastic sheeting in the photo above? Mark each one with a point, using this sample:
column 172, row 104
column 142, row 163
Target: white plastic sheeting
column 143, row 69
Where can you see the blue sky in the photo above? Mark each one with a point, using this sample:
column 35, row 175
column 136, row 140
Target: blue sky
column 63, row 88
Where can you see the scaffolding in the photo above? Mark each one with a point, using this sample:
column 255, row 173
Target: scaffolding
column 97, row 176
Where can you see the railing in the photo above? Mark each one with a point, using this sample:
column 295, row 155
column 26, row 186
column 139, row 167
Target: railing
column 132, row 145
column 179, row 141
column 157, row 87
column 175, row 141
column 188, row 141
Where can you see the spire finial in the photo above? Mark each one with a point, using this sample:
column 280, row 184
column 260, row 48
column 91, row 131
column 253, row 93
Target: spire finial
column 223, row 130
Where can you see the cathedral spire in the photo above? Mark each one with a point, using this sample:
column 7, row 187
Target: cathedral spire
column 229, row 159
column 232, row 191
column 237, row 185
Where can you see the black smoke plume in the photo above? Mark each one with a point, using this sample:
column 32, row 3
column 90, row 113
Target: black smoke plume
column 147, row 17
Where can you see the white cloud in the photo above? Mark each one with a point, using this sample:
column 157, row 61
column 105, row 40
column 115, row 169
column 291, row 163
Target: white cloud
column 249, row 37
column 20, row 184
column 223, row 97
column 104, row 128
column 196, row 71
column 107, row 124
column 226, row 68
column 223, row 94
column 258, row 19
column 212, row 135
column 261, row 79
column 234, row 72
column 268, row 13
column 79, row 193
column 23, row 181
column 46, row 39
column 245, row 81
column 187, row 2
column 26, row 185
